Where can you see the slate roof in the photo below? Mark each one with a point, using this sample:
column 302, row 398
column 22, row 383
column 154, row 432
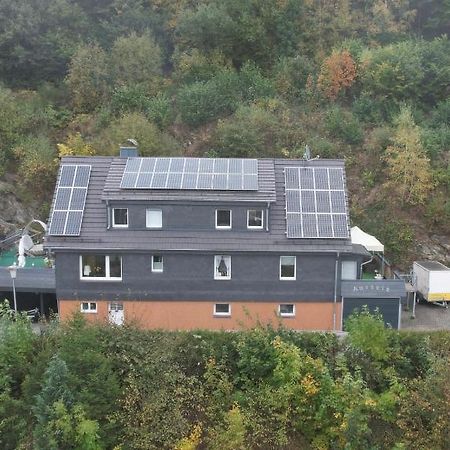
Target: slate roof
column 104, row 186
column 265, row 193
column 31, row 279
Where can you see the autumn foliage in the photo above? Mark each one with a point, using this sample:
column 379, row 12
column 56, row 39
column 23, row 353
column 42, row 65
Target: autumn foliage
column 338, row 72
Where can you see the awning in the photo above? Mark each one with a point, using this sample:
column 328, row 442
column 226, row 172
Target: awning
column 368, row 241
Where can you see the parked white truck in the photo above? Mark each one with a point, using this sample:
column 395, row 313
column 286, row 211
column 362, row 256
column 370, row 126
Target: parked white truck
column 432, row 281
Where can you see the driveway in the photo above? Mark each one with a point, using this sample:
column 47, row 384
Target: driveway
column 428, row 317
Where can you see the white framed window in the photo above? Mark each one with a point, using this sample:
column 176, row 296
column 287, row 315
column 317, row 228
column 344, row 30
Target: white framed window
column 222, row 267
column 153, row 218
column 120, row 217
column 349, row 270
column 222, row 309
column 88, row 307
column 286, row 310
column 101, row 267
column 288, row 267
column 255, row 219
column 223, row 219
column 157, row 263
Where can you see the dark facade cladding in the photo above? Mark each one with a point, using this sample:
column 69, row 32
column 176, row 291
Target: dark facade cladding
column 186, row 236
column 190, row 276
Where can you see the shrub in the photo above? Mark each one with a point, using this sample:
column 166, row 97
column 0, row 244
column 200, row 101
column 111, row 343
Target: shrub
column 159, row 110
column 291, row 75
column 342, row 124
column 366, row 332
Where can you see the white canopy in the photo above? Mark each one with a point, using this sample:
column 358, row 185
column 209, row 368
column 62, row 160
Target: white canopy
column 371, row 243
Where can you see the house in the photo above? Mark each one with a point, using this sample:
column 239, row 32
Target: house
column 183, row 243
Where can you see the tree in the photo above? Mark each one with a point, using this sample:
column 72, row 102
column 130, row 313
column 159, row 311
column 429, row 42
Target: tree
column 75, row 145
column 408, row 169
column 88, row 78
column 136, row 60
column 367, row 332
column 151, row 140
column 338, row 72
column 37, row 163
column 55, row 389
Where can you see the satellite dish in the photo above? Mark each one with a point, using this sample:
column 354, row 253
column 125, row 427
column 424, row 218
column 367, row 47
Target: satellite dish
column 26, row 242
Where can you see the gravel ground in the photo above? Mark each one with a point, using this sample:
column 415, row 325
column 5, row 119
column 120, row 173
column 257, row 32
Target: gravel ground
column 428, row 317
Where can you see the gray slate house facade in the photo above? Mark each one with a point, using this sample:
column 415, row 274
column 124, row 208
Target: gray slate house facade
column 184, row 243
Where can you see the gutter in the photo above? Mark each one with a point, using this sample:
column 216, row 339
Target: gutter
column 336, row 266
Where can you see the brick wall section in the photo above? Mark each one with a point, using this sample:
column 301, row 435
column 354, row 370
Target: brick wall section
column 175, row 315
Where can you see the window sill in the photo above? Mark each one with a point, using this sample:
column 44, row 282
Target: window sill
column 287, row 316
column 223, row 279
column 88, row 312
column 288, row 279
column 222, row 316
column 119, row 226
column 100, row 279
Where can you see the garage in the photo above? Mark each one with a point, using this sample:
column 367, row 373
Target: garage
column 384, row 296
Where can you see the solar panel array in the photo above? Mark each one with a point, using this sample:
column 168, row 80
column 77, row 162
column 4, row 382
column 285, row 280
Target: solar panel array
column 191, row 173
column 70, row 200
column 316, row 205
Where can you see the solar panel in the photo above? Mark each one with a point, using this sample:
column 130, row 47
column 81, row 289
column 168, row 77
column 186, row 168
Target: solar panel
column 220, row 174
column 70, row 200
column 316, row 205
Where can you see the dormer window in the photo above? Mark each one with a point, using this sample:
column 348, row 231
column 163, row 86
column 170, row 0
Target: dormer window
column 120, row 217
column 223, row 219
column 255, row 219
column 153, row 218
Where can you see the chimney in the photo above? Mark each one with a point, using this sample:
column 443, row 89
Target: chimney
column 129, row 149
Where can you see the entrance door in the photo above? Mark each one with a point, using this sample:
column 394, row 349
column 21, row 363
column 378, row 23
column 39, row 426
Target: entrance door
column 115, row 312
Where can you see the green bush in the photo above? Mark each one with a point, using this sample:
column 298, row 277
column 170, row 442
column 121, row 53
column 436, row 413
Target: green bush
column 291, row 75
column 343, row 125
column 159, row 110
column 369, row 110
column 436, row 141
column 128, row 99
column 202, row 102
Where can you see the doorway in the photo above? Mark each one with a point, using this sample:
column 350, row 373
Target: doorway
column 115, row 313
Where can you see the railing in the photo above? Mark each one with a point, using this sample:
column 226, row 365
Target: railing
column 10, row 239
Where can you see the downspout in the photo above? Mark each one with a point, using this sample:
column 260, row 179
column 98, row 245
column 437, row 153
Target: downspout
column 363, row 264
column 336, row 267
column 108, row 215
column 267, row 216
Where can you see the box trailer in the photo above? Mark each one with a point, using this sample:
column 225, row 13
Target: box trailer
column 432, row 281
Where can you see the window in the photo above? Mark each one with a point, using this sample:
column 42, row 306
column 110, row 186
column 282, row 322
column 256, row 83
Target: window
column 222, row 267
column 223, row 218
column 100, row 267
column 222, row 309
column 88, row 307
column 154, row 218
column 157, row 263
column 286, row 310
column 120, row 217
column 348, row 270
column 287, row 267
column 255, row 218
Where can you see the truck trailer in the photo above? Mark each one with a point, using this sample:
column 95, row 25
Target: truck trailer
column 432, row 281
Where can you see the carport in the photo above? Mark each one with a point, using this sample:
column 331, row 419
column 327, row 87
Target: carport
column 35, row 288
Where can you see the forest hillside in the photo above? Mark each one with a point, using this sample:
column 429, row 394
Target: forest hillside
column 364, row 80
